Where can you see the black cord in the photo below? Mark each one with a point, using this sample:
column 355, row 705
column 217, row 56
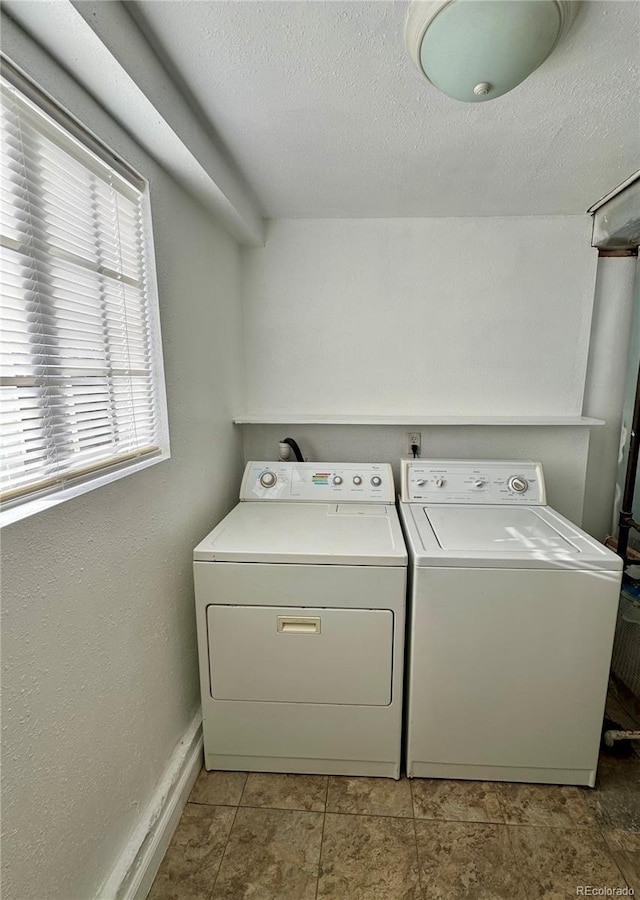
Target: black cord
column 414, row 450
column 294, row 447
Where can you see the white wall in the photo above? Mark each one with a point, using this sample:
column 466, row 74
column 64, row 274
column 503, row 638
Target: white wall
column 445, row 316
column 99, row 651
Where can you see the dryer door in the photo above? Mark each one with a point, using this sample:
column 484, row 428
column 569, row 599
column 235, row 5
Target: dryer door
column 300, row 655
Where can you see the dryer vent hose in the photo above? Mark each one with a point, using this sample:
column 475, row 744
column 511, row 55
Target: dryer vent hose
column 286, row 446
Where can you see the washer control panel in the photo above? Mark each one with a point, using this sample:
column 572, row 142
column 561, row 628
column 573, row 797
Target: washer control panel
column 327, row 482
column 512, row 482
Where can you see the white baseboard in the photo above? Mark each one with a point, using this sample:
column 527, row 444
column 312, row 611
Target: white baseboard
column 138, row 864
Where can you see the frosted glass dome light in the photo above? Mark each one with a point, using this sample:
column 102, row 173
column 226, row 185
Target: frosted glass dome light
column 476, row 50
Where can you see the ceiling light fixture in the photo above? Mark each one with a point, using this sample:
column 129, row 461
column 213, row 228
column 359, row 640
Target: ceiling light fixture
column 476, row 50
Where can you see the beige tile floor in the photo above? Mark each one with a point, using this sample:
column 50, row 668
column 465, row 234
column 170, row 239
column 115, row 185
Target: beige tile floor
column 307, row 837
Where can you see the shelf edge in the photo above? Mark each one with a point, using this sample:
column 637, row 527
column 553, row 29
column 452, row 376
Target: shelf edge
column 504, row 421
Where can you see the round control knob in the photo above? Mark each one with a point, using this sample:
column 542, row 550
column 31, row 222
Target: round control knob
column 420, row 482
column 376, row 481
column 439, row 482
column 357, row 479
column 518, row 484
column 268, row 479
column 337, row 479
column 478, row 483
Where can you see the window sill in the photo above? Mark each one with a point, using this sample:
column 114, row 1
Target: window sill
column 11, row 514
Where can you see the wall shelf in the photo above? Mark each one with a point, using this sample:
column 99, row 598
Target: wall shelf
column 417, row 419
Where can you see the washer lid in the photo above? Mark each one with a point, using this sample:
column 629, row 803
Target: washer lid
column 494, row 530
column 302, row 533
column 524, row 537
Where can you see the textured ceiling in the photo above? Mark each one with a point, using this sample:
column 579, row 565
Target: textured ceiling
column 323, row 112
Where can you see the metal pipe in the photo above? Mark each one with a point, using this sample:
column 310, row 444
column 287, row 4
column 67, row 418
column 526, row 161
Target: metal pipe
column 604, row 391
column 626, row 510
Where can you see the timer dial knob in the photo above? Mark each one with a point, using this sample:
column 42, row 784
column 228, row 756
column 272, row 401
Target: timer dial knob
column 357, row 479
column 268, row 479
column 478, row 483
column 376, row 481
column 439, row 482
column 518, row 484
column 337, row 479
column 420, row 482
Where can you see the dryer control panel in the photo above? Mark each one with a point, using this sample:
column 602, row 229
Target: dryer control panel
column 326, row 482
column 511, row 482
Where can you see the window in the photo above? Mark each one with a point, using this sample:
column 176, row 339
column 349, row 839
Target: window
column 81, row 380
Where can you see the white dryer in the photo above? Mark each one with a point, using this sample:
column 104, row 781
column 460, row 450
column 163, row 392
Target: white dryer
column 512, row 612
column 300, row 601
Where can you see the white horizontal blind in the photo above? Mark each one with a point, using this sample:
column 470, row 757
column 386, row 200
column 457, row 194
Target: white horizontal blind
column 77, row 387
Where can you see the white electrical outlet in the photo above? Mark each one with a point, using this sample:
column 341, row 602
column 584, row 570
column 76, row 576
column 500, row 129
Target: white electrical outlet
column 414, row 438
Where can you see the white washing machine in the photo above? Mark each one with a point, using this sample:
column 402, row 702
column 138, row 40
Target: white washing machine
column 300, row 597
column 512, row 611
